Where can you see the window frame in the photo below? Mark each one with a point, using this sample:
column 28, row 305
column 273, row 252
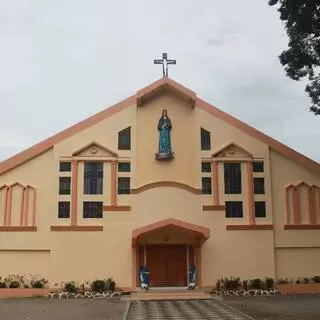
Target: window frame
column 264, row 211
column 65, row 166
column 205, row 190
column 122, row 191
column 228, row 205
column 256, row 168
column 232, row 179
column 66, row 182
column 123, row 164
column 127, row 144
column 257, row 185
column 205, row 139
column 93, row 184
column 203, row 167
column 61, row 213
column 98, row 213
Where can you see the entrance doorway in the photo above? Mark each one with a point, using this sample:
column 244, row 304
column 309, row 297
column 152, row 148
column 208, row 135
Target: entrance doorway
column 167, row 265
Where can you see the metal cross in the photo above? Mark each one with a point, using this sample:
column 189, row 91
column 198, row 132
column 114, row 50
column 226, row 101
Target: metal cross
column 165, row 62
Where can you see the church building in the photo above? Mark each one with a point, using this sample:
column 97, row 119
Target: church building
column 165, row 180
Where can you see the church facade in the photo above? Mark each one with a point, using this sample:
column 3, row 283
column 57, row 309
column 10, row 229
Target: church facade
column 164, row 180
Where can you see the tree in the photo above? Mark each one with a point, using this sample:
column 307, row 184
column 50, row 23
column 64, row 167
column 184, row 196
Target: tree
column 302, row 58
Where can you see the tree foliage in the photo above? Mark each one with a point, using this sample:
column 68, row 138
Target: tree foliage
column 302, row 58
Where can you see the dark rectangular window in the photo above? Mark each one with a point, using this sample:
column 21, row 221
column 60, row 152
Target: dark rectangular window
column 257, row 166
column 205, row 140
column 92, row 209
column 64, row 185
column 205, row 166
column 124, row 139
column 64, row 210
column 93, row 178
column 260, row 209
column 123, row 185
column 234, row 209
column 206, row 185
column 124, row 167
column 258, row 184
column 232, row 178
column 65, row 166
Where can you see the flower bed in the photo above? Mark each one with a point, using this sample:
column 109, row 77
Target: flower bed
column 23, row 292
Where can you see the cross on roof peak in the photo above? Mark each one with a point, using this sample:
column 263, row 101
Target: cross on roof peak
column 165, row 62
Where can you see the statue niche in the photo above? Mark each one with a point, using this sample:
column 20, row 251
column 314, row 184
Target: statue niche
column 164, row 127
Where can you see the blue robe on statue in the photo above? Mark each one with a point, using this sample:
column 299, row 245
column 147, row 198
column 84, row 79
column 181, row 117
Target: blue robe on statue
column 164, row 127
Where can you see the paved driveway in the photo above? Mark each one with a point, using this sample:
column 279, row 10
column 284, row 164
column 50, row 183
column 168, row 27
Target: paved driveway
column 182, row 309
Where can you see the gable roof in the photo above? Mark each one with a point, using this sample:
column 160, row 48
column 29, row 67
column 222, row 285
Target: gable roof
column 166, row 82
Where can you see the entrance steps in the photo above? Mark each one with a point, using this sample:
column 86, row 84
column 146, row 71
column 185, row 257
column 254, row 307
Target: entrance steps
column 170, row 294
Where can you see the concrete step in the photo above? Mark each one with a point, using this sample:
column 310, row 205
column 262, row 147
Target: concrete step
column 170, row 295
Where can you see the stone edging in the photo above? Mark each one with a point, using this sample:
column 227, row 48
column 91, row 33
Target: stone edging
column 85, row 295
column 244, row 293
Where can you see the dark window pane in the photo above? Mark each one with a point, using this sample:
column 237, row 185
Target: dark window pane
column 65, row 166
column 205, row 140
column 92, row 209
column 257, row 166
column 93, row 178
column 260, row 209
column 64, row 185
column 232, row 178
column 206, row 185
column 64, row 210
column 258, row 184
column 205, row 166
column 124, row 167
column 123, row 185
column 124, row 139
column 234, row 209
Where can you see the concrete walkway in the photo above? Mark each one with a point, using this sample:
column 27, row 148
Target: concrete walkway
column 182, row 309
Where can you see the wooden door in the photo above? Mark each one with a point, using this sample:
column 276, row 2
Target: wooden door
column 167, row 265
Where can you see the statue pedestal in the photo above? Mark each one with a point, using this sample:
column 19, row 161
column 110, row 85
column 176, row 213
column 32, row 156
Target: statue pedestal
column 165, row 156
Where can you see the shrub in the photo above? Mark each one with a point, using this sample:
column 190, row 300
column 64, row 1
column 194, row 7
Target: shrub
column 2, row 284
column 282, row 281
column 70, row 287
column 269, row 283
column 316, row 279
column 110, row 284
column 245, row 285
column 231, row 284
column 218, row 285
column 14, row 284
column 256, row 284
column 99, row 285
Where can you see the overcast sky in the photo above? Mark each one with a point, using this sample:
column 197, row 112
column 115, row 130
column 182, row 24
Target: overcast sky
column 64, row 60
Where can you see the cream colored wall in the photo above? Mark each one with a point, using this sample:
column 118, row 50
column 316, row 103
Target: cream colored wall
column 86, row 255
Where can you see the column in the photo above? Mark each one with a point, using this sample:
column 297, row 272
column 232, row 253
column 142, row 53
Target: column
column 250, row 200
column 134, row 267
column 74, row 193
column 113, row 183
column 215, row 183
column 198, row 265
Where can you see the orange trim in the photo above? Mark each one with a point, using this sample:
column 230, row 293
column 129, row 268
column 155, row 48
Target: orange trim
column 22, row 206
column 311, row 208
column 116, row 208
column 202, row 231
column 26, row 207
column 76, row 228
column 213, row 207
column 34, row 202
column 251, row 213
column 113, row 183
column 215, row 183
column 134, row 266
column 94, row 144
column 18, row 228
column 165, row 83
column 286, row 206
column 5, row 205
column 302, row 226
column 74, row 193
column 172, row 184
column 50, row 142
column 296, row 205
column 9, row 207
column 249, row 227
column 232, row 145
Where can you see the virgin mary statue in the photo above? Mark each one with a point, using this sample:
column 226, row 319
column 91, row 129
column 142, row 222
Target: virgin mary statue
column 164, row 128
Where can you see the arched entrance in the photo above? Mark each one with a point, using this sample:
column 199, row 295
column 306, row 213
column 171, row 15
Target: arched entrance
column 168, row 247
